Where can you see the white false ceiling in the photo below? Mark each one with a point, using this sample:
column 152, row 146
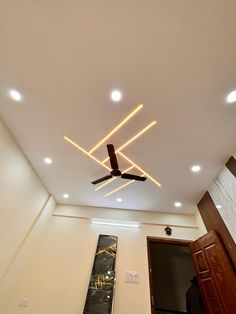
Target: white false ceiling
column 175, row 57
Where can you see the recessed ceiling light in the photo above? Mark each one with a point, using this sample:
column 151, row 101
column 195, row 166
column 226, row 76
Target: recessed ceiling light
column 116, row 95
column 47, row 160
column 218, row 206
column 178, row 204
column 119, row 200
column 65, row 195
column 195, row 168
column 15, row 95
column 231, row 97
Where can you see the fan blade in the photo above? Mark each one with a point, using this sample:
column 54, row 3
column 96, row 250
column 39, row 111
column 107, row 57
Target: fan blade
column 132, row 177
column 112, row 155
column 102, row 179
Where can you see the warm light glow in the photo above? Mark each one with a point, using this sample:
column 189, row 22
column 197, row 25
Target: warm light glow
column 15, row 95
column 231, row 97
column 196, row 168
column 47, row 160
column 178, row 204
column 116, row 128
column 111, row 222
column 65, row 195
column 119, row 188
column 122, row 186
column 85, row 152
column 112, row 179
column 128, row 169
column 140, row 169
column 105, row 183
column 102, row 163
column 116, row 95
column 133, row 138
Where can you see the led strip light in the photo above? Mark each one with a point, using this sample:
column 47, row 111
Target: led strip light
column 102, row 163
column 86, row 153
column 117, row 128
column 112, row 179
column 119, row 223
column 121, row 187
column 140, row 169
column 132, row 139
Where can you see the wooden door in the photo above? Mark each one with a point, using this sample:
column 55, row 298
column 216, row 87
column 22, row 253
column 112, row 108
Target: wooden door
column 215, row 274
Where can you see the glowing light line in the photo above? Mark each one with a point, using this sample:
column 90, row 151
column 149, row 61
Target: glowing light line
column 140, row 169
column 104, row 184
column 119, row 188
column 85, row 152
column 133, row 139
column 116, row 128
column 112, row 179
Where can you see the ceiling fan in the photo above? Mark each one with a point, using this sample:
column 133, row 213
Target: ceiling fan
column 115, row 169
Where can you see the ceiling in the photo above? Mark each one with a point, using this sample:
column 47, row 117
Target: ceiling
column 175, row 57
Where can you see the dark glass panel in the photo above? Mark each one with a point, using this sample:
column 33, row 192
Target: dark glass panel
column 100, row 291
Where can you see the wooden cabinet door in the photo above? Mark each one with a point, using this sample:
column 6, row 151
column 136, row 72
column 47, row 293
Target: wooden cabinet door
column 215, row 274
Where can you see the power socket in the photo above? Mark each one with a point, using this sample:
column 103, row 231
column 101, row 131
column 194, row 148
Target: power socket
column 132, row 276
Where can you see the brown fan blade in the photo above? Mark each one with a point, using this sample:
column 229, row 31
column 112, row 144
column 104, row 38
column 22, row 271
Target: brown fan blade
column 102, row 179
column 112, row 156
column 132, row 177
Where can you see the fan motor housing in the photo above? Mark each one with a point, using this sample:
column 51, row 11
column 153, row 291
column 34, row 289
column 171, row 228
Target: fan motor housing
column 116, row 173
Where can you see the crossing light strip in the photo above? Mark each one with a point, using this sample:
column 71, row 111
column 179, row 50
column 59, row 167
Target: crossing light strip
column 116, row 128
column 119, row 151
column 132, row 139
column 121, row 187
column 112, row 179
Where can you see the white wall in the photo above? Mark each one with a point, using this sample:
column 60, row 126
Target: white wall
column 23, row 199
column 56, row 272
column 23, row 264
column 22, row 196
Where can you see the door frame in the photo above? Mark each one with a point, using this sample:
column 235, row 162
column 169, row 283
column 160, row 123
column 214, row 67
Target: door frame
column 161, row 241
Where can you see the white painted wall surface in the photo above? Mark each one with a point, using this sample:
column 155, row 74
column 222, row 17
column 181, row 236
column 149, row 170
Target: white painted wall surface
column 56, row 272
column 22, row 196
column 22, row 265
column 156, row 218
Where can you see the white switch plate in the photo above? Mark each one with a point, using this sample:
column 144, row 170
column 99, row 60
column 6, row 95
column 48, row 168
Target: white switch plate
column 132, row 276
column 24, row 302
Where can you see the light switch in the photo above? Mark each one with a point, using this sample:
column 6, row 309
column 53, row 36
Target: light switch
column 24, row 302
column 132, row 276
